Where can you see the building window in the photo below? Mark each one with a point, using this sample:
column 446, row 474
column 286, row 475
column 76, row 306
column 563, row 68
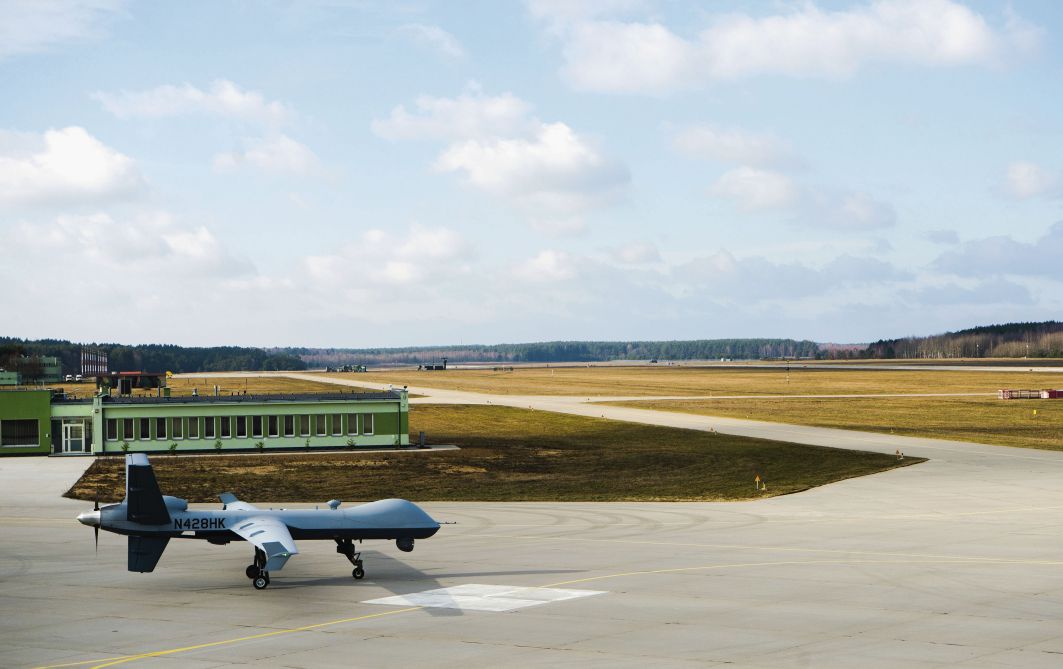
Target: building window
column 127, row 429
column 193, row 427
column 304, row 426
column 225, row 427
column 256, row 426
column 289, row 426
column 22, row 432
column 160, row 428
column 241, row 427
column 112, row 429
column 352, row 423
column 337, row 424
column 145, row 428
column 208, row 427
column 177, row 428
column 320, row 425
column 367, row 423
column 272, row 425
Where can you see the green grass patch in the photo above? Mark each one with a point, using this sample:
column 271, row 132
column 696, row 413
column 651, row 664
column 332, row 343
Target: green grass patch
column 1022, row 423
column 511, row 455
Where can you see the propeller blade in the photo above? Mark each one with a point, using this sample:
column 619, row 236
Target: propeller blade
column 96, row 531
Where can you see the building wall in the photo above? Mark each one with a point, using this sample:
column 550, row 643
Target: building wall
column 20, row 405
column 345, row 423
column 353, row 422
column 9, row 378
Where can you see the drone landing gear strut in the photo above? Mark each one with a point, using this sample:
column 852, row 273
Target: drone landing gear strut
column 346, row 547
column 256, row 571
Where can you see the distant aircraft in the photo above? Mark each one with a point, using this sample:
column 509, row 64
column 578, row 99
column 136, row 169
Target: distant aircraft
column 151, row 519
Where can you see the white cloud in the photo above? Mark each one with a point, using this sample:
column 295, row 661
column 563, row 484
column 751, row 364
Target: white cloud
column 735, row 280
column 547, row 169
column 1025, row 180
column 29, row 26
column 382, row 257
column 548, row 266
column 627, row 58
column 561, row 12
column 733, row 146
column 64, row 166
column 754, row 189
column 151, row 242
column 435, row 38
column 1002, row 255
column 224, row 99
column 850, row 211
column 279, row 153
column 555, row 169
column 470, row 115
column 648, row 57
column 636, row 253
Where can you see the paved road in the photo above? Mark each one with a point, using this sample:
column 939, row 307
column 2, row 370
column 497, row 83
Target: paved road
column 957, row 562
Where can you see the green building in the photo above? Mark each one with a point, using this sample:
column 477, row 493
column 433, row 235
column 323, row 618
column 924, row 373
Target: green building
column 44, row 421
column 9, row 378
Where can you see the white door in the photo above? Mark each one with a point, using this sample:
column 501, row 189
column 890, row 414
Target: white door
column 73, row 437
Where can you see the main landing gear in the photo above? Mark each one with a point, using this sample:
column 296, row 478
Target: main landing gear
column 256, row 571
column 346, row 547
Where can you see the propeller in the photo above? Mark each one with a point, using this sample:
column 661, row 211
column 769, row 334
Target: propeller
column 96, row 527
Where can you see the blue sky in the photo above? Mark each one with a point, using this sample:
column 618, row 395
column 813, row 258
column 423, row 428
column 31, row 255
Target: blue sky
column 398, row 173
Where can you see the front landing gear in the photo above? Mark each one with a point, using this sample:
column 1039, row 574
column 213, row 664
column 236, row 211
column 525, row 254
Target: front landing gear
column 346, row 547
column 256, row 571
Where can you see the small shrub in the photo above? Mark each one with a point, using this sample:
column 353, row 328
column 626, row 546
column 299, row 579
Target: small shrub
column 125, row 446
column 307, row 444
column 173, row 448
column 260, row 445
column 217, row 444
column 350, row 442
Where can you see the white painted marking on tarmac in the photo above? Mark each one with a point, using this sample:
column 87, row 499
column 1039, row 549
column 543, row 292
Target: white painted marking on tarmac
column 476, row 597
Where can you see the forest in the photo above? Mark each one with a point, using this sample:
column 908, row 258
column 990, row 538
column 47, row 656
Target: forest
column 1007, row 340
column 148, row 357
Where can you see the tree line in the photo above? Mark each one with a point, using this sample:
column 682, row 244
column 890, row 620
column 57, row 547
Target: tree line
column 145, row 357
column 565, row 351
column 1006, row 340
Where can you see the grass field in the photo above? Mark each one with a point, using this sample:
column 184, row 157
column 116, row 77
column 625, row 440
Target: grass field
column 982, row 420
column 511, row 455
column 677, row 380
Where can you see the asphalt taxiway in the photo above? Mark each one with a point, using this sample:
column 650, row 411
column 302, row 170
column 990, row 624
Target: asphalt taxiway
column 954, row 562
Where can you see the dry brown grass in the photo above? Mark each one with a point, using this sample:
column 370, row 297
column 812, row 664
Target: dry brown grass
column 677, row 380
column 977, row 419
column 511, row 455
column 252, row 385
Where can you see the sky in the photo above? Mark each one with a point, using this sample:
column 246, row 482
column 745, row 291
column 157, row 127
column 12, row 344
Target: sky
column 339, row 173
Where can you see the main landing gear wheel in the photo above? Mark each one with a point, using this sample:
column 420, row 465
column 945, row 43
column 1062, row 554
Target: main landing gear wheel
column 252, row 570
column 345, row 547
column 260, row 582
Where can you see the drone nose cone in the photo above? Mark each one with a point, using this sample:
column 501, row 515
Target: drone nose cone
column 90, row 518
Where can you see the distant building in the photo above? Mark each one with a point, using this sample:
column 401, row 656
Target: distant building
column 37, row 368
column 10, row 378
column 45, row 421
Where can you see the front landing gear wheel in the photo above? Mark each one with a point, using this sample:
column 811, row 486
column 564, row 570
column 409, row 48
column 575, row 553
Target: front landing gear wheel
column 358, row 573
column 251, row 571
column 260, row 582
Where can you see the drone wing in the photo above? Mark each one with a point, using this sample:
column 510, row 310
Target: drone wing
column 271, row 536
column 231, row 502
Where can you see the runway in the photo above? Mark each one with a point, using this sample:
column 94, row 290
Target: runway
column 954, row 562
